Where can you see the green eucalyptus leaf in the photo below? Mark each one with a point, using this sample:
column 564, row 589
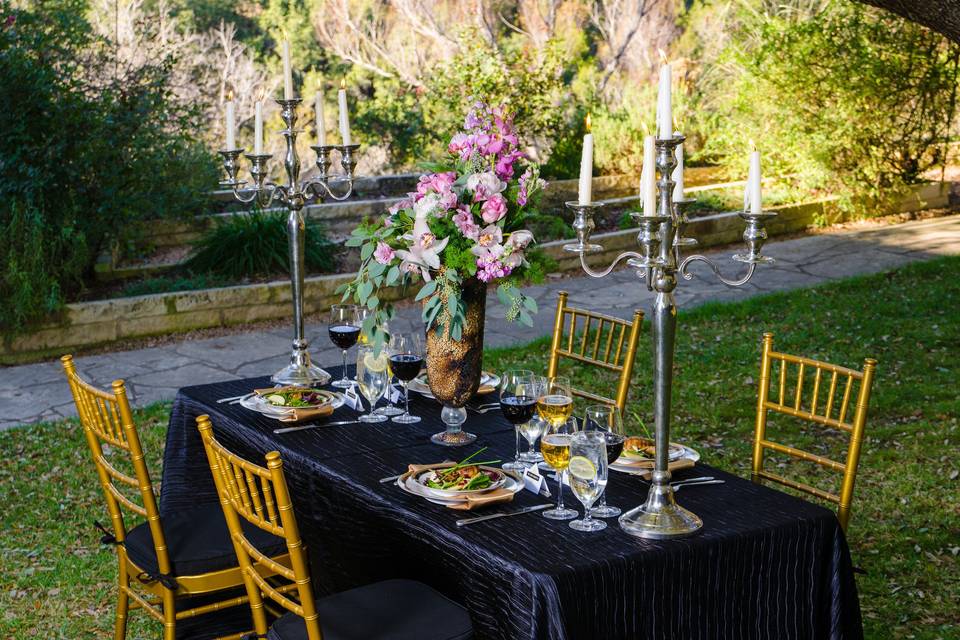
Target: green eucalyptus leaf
column 367, row 251
column 375, row 268
column 393, row 275
column 530, row 304
column 427, row 290
column 365, row 290
column 373, row 302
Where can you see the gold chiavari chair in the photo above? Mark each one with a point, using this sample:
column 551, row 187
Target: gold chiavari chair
column 604, row 341
column 826, row 411
column 392, row 609
column 164, row 559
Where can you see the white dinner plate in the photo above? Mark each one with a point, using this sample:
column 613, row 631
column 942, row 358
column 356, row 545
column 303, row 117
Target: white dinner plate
column 421, row 479
column 419, row 384
column 261, row 406
column 688, row 454
column 411, row 486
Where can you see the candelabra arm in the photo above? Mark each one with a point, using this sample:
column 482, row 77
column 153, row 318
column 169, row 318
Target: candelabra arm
column 600, row 274
column 683, row 270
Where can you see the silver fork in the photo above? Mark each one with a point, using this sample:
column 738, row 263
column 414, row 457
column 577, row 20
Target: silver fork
column 681, row 485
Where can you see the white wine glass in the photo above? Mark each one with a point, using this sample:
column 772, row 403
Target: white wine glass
column 390, row 409
column 608, row 420
column 555, row 447
column 372, row 378
column 534, row 428
column 587, row 470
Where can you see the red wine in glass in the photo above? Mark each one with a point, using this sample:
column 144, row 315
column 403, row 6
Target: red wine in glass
column 614, row 446
column 406, row 366
column 518, row 409
column 344, row 335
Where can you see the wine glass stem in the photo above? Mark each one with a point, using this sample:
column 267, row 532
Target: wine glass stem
column 516, row 430
column 345, row 378
column 560, row 475
column 406, row 399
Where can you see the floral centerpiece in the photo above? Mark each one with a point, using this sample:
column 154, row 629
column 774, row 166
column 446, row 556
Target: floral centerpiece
column 463, row 222
column 460, row 231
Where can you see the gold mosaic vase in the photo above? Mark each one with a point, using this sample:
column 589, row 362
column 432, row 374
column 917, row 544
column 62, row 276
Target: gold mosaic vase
column 454, row 366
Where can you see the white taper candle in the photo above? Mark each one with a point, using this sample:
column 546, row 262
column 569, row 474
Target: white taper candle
column 231, row 126
column 648, row 178
column 344, row 115
column 753, row 183
column 678, row 172
column 664, row 103
column 258, row 129
column 585, row 190
column 287, row 72
column 321, row 126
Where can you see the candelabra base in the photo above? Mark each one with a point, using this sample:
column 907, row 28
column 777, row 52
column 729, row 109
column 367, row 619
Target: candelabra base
column 660, row 517
column 299, row 374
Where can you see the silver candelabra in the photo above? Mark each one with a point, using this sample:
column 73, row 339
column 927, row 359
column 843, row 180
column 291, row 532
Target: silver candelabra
column 658, row 263
column 294, row 195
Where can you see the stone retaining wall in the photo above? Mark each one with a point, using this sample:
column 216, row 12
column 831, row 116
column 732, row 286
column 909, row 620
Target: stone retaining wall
column 105, row 321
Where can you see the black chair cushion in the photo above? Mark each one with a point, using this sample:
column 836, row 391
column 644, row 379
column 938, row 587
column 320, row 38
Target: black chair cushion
column 198, row 542
column 388, row 610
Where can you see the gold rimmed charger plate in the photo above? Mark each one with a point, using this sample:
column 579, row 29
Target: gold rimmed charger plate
column 488, row 384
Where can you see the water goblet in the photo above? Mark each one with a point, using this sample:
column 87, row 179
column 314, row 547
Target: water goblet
column 372, row 378
column 587, row 470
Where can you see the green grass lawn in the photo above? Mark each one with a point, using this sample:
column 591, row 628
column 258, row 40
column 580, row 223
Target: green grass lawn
column 57, row 582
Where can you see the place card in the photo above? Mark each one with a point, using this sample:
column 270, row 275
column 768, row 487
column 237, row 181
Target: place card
column 394, row 395
column 533, row 481
column 351, row 399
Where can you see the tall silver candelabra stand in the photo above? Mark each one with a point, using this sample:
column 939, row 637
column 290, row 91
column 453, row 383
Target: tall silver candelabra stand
column 294, row 195
column 658, row 263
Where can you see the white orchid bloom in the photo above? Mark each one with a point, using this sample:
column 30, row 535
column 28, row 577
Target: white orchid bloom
column 484, row 185
column 424, row 248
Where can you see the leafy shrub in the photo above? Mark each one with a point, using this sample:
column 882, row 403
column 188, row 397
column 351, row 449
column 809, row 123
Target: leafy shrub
column 241, row 246
column 416, row 124
column 852, row 100
column 86, row 154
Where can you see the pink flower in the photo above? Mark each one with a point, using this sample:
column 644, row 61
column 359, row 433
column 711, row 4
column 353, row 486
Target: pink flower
column 519, row 239
column 485, row 185
column 489, row 236
column 424, row 249
column 435, row 183
column 448, row 200
column 494, row 209
column 490, row 268
column 465, row 223
column 504, row 166
column 383, row 253
column 406, row 203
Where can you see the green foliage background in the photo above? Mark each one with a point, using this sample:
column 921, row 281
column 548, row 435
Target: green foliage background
column 83, row 157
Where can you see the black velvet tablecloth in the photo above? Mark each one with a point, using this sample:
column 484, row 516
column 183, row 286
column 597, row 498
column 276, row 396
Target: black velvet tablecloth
column 765, row 565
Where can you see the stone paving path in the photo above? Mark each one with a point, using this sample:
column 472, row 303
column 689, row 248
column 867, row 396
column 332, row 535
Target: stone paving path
column 38, row 392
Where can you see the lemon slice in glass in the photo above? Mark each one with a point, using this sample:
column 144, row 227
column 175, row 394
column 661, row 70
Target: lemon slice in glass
column 375, row 364
column 581, row 468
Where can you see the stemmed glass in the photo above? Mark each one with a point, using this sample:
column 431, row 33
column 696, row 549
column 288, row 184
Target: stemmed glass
column 606, row 419
column 406, row 360
column 518, row 400
column 587, row 470
column 344, row 331
column 555, row 404
column 390, row 409
column 372, row 378
column 555, row 447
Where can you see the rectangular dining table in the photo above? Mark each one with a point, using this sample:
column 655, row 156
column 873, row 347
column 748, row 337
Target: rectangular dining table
column 764, row 565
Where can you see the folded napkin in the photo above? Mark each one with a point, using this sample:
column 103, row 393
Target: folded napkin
column 647, row 465
column 297, row 414
column 468, row 502
column 485, row 389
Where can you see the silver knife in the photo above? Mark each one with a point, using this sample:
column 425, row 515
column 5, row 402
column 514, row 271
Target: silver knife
column 315, row 426
column 490, row 516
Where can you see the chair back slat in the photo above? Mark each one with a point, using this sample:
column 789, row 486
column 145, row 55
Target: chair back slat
column 261, row 497
column 808, row 410
column 605, row 342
